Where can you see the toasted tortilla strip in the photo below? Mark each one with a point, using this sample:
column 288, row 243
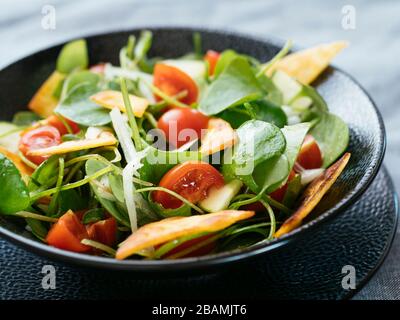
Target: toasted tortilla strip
column 104, row 139
column 306, row 65
column 43, row 102
column 110, row 99
column 19, row 164
column 156, row 233
column 219, row 136
column 313, row 195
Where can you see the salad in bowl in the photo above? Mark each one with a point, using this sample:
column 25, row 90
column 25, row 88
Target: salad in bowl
column 160, row 158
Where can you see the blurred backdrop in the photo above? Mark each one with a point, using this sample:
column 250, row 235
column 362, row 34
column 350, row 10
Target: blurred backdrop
column 372, row 27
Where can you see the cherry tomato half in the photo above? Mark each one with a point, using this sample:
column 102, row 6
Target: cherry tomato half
column 57, row 123
column 67, row 234
column 172, row 81
column 175, row 120
column 104, row 231
column 310, row 156
column 212, row 58
column 42, row 137
column 191, row 180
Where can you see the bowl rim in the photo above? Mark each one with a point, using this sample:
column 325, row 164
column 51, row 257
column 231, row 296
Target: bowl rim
column 212, row 260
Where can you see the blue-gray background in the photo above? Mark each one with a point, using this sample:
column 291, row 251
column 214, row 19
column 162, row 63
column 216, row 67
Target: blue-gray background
column 372, row 57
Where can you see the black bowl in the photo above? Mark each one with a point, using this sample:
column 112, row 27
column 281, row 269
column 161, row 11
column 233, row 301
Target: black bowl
column 344, row 96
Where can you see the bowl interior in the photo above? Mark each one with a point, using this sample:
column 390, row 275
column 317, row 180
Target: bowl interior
column 344, row 96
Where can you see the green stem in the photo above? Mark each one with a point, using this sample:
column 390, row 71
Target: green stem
column 131, row 116
column 53, row 202
column 30, row 215
column 266, row 66
column 98, row 245
column 37, row 195
column 150, row 118
column 271, row 218
column 172, row 193
column 130, row 46
column 170, row 100
column 26, row 161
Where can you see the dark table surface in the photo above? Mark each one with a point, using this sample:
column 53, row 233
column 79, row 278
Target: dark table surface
column 371, row 58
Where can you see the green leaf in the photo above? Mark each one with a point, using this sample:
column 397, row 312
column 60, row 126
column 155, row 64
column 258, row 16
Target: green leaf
column 79, row 108
column 73, row 55
column 14, row 194
column 258, row 142
column 183, row 210
column 332, row 135
column 25, row 118
column 38, row 228
column 294, row 136
column 293, row 191
column 269, row 175
column 273, row 93
column 71, row 199
column 224, row 60
column 78, row 78
column 92, row 166
column 44, row 174
column 93, row 215
column 234, row 86
column 143, row 45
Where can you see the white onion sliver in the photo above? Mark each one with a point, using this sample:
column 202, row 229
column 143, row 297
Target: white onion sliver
column 121, row 129
column 129, row 189
column 309, row 175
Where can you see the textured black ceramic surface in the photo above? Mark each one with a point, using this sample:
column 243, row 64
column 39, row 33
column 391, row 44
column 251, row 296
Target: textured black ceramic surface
column 344, row 96
column 310, row 268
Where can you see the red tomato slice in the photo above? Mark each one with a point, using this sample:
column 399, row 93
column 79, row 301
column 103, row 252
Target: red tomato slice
column 172, row 81
column 42, row 137
column 212, row 58
column 310, row 156
column 57, row 123
column 175, row 120
column 279, row 194
column 104, row 231
column 67, row 234
column 191, row 180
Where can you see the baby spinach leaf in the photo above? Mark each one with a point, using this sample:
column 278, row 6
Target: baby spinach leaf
column 273, row 93
column 78, row 78
column 332, row 135
column 92, row 166
column 269, row 175
column 38, row 228
column 263, row 109
column 183, row 210
column 14, row 194
column 93, row 215
column 258, row 142
column 292, row 192
column 25, row 118
column 44, row 174
column 318, row 106
column 234, row 86
column 294, row 136
column 71, row 199
column 79, row 108
column 73, row 55
column 225, row 59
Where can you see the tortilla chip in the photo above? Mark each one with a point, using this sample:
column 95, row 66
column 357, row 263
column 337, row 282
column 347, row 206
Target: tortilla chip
column 19, row 164
column 306, row 65
column 313, row 195
column 43, row 102
column 110, row 99
column 219, row 136
column 104, row 139
column 156, row 233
